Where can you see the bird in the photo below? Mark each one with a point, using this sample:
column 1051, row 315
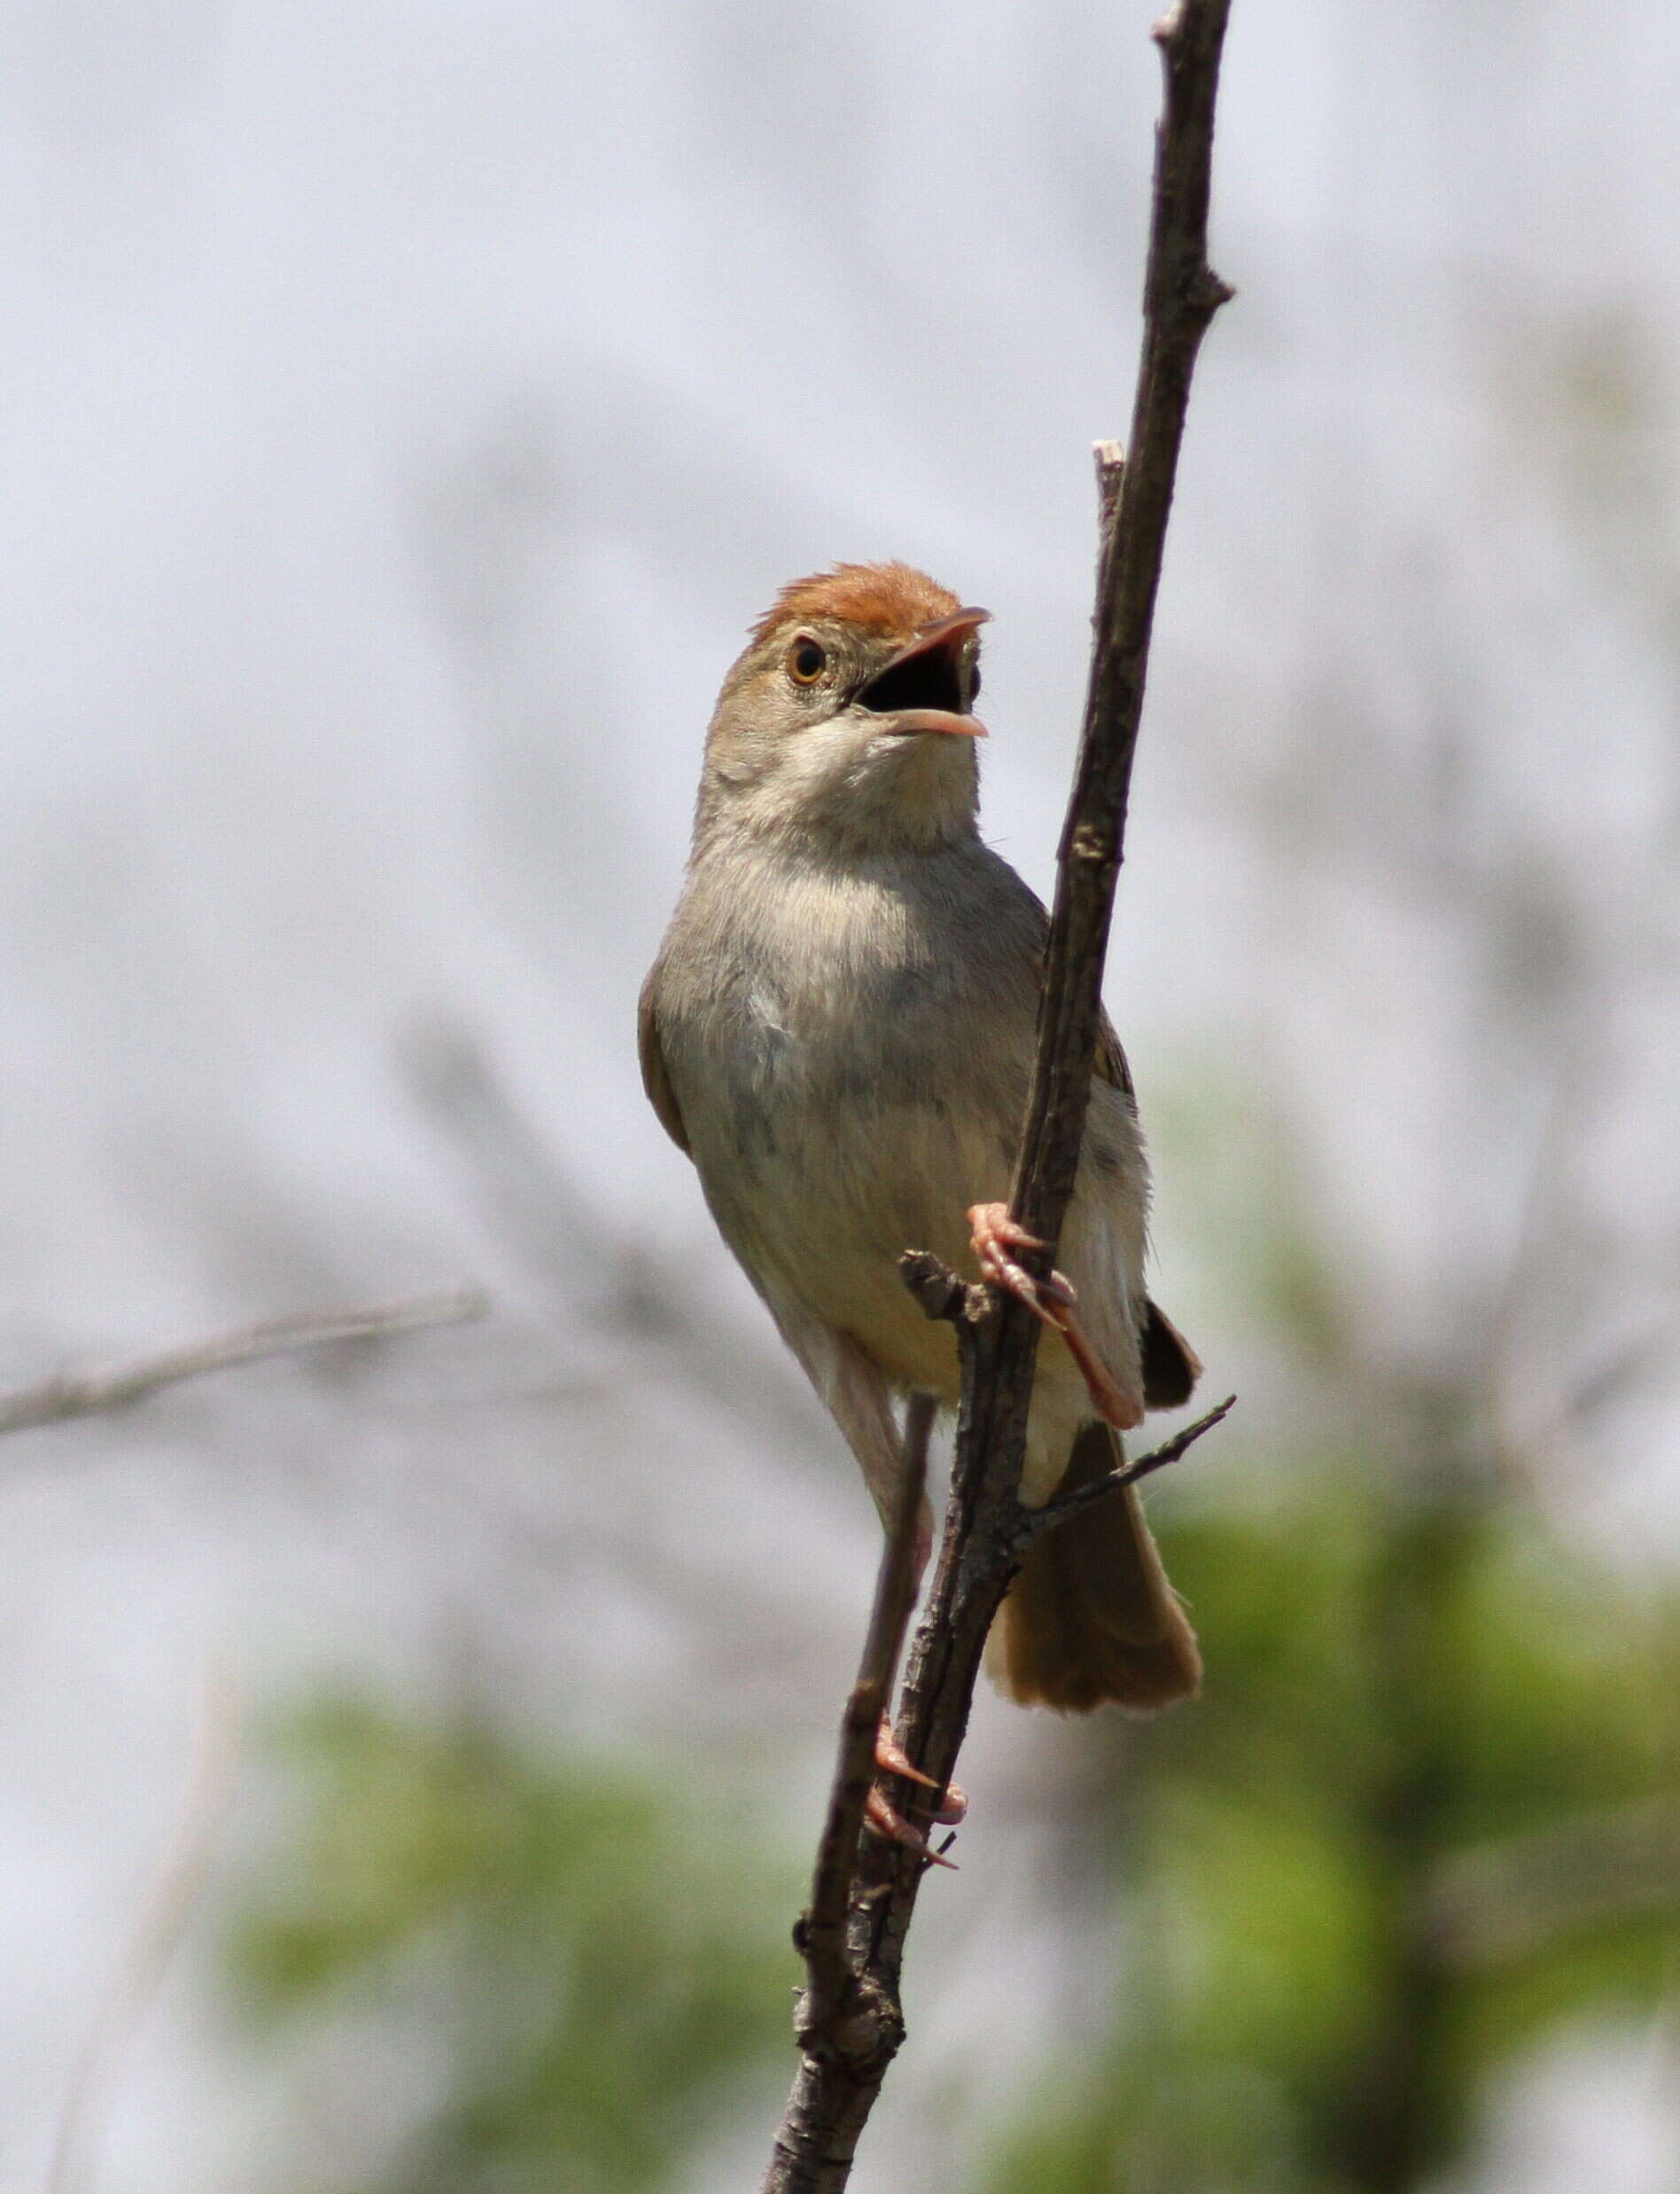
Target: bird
column 839, row 1029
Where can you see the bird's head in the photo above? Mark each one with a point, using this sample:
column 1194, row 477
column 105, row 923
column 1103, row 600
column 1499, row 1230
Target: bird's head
column 848, row 719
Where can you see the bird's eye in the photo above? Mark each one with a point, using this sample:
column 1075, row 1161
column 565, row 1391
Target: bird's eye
column 807, row 659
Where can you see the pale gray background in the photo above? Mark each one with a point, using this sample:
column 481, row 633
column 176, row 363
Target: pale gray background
column 408, row 405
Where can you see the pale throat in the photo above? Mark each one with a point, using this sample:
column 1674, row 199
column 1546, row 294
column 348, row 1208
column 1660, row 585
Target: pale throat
column 915, row 796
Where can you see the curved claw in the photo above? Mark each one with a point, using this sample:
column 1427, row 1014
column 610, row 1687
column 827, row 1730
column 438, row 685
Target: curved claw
column 994, row 1234
column 880, row 1813
column 1051, row 1300
column 893, row 1760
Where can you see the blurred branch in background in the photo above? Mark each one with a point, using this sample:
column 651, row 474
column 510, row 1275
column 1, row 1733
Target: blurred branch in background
column 84, row 1395
column 1496, row 1905
column 169, row 1904
column 578, row 1255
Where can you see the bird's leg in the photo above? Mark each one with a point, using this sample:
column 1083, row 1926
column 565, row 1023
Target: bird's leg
column 883, row 1817
column 995, row 1235
column 880, row 1813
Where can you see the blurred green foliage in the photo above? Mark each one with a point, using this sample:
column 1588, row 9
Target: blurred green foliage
column 1428, row 1807
column 1425, row 1814
column 599, row 1956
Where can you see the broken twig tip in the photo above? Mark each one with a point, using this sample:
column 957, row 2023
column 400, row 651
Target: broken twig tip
column 933, row 1285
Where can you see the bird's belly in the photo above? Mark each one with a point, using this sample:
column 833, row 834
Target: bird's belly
column 854, row 1198
column 820, row 1180
column 843, row 1105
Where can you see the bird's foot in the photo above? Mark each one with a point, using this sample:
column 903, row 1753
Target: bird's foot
column 883, row 1817
column 995, row 1235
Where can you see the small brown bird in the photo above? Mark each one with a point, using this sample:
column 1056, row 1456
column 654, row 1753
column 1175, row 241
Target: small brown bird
column 839, row 1030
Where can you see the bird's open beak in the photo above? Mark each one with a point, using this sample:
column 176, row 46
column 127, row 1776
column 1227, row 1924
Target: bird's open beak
column 921, row 688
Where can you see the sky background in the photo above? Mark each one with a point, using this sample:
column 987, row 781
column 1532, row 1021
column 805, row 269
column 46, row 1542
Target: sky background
column 408, row 407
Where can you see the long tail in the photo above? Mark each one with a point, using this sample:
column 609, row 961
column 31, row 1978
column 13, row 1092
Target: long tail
column 1092, row 1616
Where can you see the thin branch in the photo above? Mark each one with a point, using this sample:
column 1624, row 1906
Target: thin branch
column 822, row 1935
column 50, row 1400
column 1036, row 1521
column 1181, row 295
column 844, row 2062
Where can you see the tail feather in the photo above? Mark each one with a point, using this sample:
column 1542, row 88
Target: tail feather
column 1092, row 1616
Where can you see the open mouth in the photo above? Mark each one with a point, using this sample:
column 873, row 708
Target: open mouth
column 922, row 688
column 922, row 681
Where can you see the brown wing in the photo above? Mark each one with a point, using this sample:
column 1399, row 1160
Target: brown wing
column 655, row 1080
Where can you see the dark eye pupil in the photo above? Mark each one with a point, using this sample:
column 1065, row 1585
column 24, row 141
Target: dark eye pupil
column 808, row 659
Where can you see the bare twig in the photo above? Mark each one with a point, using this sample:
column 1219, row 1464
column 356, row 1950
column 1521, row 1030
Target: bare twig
column 844, row 2063
column 170, row 1901
column 1036, row 1521
column 1181, row 295
column 50, row 1400
column 823, row 1934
